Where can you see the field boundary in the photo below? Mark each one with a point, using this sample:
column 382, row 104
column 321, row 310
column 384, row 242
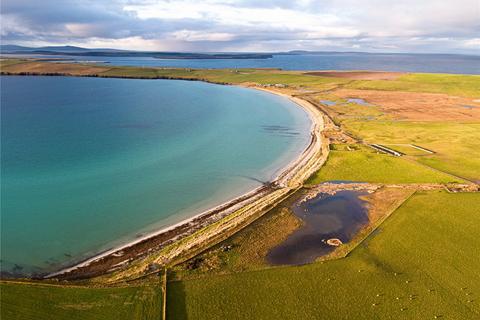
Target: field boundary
column 369, row 230
column 164, row 293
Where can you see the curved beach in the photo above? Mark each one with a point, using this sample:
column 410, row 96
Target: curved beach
column 253, row 203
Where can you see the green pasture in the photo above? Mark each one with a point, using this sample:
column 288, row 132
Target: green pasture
column 422, row 263
column 364, row 164
column 27, row 301
column 456, row 145
column 453, row 84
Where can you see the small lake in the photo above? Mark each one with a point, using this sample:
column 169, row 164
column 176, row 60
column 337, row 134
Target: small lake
column 328, row 102
column 339, row 216
column 359, row 101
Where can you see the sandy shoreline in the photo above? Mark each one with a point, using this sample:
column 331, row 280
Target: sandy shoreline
column 118, row 256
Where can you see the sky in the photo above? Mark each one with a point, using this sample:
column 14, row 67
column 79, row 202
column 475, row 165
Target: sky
column 417, row 26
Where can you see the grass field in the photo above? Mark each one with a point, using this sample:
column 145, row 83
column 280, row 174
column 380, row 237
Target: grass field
column 42, row 301
column 453, row 143
column 364, row 164
column 460, row 85
column 405, row 270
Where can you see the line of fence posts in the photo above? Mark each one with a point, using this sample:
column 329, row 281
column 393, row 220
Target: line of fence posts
column 164, row 293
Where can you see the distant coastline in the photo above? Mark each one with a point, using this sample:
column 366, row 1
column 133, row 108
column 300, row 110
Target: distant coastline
column 77, row 51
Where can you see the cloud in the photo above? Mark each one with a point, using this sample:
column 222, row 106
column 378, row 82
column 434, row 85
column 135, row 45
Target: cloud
column 246, row 25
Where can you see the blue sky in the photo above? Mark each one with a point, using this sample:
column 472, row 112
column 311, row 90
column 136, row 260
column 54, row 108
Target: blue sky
column 446, row 26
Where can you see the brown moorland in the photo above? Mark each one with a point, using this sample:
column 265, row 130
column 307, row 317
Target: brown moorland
column 418, row 106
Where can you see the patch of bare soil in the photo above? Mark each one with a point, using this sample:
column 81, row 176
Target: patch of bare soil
column 358, row 75
column 417, row 106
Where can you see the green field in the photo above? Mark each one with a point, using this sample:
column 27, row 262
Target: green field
column 422, row 263
column 42, row 301
column 454, row 143
column 460, row 85
column 363, row 164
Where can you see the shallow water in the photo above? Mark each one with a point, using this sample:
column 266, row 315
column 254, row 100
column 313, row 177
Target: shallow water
column 328, row 102
column 89, row 163
column 359, row 101
column 340, row 216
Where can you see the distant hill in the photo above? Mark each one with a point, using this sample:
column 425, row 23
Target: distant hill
column 62, row 49
column 78, row 51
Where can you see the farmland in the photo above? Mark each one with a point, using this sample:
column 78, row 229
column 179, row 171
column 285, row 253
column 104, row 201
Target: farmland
column 23, row 300
column 363, row 164
column 403, row 271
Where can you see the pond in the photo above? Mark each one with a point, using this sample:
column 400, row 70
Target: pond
column 325, row 217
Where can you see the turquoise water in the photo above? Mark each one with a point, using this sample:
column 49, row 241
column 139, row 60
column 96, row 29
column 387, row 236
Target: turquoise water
column 90, row 163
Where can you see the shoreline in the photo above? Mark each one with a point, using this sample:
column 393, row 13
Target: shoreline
column 148, row 236
column 159, row 239
column 240, row 210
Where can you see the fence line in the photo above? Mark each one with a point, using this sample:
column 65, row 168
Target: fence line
column 164, row 292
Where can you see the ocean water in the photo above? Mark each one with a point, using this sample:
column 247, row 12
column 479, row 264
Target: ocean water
column 434, row 63
column 90, row 163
